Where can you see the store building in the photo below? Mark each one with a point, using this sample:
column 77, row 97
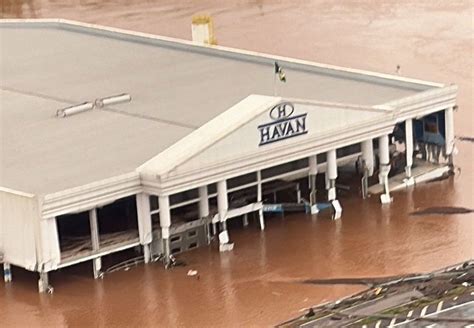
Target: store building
column 114, row 140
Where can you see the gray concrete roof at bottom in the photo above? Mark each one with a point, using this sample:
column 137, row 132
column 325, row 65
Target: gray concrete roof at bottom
column 175, row 86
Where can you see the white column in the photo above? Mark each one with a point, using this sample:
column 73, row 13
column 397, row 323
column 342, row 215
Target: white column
column 204, row 210
column 367, row 147
column 368, row 155
column 97, row 262
column 144, row 224
column 313, row 171
column 222, row 202
column 313, row 165
column 298, row 193
column 203, row 202
column 245, row 220
column 331, row 168
column 259, row 199
column 43, row 283
column 165, row 223
column 409, row 146
column 449, row 132
column 7, row 272
column 384, row 150
column 222, row 208
column 326, row 178
column 384, row 155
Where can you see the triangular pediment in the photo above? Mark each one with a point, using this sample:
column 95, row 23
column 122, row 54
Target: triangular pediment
column 260, row 124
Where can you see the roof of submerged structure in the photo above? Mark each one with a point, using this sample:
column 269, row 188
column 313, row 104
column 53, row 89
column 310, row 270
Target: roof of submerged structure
column 176, row 88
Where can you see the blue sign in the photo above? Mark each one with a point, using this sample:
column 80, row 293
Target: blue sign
column 284, row 124
column 273, row 208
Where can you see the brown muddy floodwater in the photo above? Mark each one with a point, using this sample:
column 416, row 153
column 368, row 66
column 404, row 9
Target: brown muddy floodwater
column 257, row 283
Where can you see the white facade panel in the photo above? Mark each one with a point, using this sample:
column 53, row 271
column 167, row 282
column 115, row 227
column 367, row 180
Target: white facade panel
column 18, row 221
column 266, row 134
column 50, row 255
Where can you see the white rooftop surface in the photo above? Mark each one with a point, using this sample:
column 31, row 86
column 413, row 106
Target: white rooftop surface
column 175, row 89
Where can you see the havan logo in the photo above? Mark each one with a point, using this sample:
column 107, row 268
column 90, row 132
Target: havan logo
column 284, row 125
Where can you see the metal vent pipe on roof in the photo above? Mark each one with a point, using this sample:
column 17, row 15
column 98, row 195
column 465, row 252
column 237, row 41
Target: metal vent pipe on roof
column 117, row 99
column 68, row 111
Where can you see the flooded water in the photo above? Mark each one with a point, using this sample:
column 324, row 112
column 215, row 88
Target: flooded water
column 260, row 282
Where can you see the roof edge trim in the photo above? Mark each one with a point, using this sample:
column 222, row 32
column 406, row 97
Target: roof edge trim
column 235, row 51
column 95, row 194
column 374, row 108
column 208, row 134
column 16, row 192
column 423, row 96
column 92, row 185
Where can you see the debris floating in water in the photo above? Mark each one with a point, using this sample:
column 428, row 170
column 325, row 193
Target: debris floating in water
column 310, row 313
column 443, row 210
column 124, row 265
column 367, row 281
column 468, row 139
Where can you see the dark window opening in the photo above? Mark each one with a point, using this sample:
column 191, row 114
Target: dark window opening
column 285, row 168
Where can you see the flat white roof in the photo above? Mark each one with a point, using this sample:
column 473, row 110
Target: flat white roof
column 176, row 87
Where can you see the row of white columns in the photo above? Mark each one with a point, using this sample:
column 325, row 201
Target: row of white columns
column 144, row 218
column 331, row 172
column 144, row 212
column 409, row 142
column 222, row 197
column 331, row 176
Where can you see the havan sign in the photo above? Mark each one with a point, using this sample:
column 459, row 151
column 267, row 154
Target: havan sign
column 284, row 125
